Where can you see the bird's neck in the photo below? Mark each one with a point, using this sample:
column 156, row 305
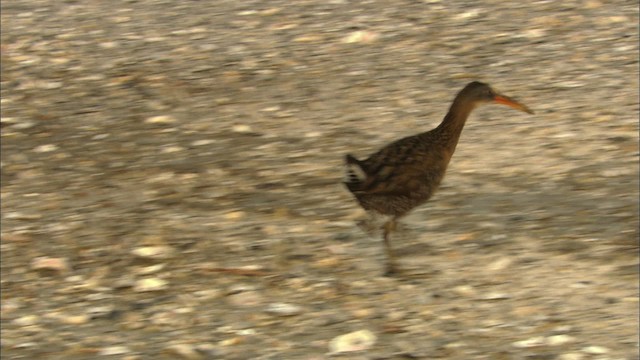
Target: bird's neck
column 453, row 123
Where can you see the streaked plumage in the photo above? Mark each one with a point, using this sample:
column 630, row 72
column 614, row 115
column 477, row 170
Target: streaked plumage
column 407, row 172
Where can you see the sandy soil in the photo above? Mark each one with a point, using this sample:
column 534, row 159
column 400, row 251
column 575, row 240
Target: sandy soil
column 171, row 180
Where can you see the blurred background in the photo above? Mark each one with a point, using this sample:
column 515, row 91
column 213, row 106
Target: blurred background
column 171, row 180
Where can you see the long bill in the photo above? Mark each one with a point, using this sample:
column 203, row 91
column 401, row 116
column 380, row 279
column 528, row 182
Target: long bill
column 505, row 100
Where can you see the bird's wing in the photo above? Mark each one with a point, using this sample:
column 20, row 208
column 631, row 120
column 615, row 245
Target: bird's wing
column 399, row 168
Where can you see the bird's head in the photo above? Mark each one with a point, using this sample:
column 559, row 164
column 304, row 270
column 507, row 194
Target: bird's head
column 479, row 92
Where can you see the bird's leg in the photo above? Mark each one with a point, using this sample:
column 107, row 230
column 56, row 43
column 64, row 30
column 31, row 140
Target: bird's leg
column 388, row 227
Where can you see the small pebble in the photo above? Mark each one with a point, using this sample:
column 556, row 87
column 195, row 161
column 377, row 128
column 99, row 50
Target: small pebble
column 134, row 321
column 27, row 320
column 562, row 329
column 465, row 290
column 283, row 309
column 362, row 313
column 595, row 350
column 355, row 341
column 581, row 284
column 571, row 356
column 25, row 345
column 208, row 294
column 246, row 299
column 114, row 350
column 46, row 263
column 307, row 38
column 150, row 284
column 8, row 120
column 108, row 44
column 241, row 128
column 45, row 148
column 495, row 296
column 271, row 109
column 161, row 119
column 76, row 319
column 238, row 288
column 500, row 264
column 184, row 351
column 234, row 215
column 10, row 305
column 468, row 14
column 49, row 85
column 210, row 350
column 360, row 36
column 153, row 252
column 97, row 312
column 147, row 270
column 561, row 339
column 24, row 125
column 124, row 282
column 532, row 342
column 22, row 216
column 328, row 262
column 232, row 341
column 222, row 100
column 202, row 142
column 121, row 19
column 172, row 149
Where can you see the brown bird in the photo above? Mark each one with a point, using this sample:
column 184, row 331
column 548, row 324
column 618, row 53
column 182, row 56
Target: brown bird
column 407, row 172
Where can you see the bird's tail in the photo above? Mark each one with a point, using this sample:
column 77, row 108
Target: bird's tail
column 354, row 175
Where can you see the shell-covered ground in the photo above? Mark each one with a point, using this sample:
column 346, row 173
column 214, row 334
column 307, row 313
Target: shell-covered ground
column 171, row 180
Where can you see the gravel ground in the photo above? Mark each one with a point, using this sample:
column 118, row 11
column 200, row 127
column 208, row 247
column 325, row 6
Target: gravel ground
column 171, row 180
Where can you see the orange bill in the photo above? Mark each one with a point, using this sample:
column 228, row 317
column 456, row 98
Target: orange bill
column 505, row 100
